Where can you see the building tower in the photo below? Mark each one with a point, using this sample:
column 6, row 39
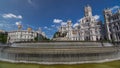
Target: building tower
column 88, row 11
column 118, row 10
column 39, row 30
column 107, row 14
column 19, row 26
column 69, row 26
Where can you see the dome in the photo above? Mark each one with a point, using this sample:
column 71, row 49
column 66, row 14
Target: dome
column 19, row 26
column 29, row 29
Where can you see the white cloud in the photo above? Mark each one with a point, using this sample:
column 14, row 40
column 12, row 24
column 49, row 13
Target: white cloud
column 80, row 20
column 63, row 23
column 6, row 25
column 57, row 20
column 46, row 27
column 49, row 29
column 96, row 17
column 10, row 15
column 30, row 1
column 57, row 27
column 18, row 23
column 114, row 7
column 52, row 25
column 76, row 24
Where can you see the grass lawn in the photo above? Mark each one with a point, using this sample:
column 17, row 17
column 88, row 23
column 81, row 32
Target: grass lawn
column 114, row 64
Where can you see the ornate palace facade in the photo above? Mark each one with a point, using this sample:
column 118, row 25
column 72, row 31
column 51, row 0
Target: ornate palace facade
column 89, row 28
column 112, row 25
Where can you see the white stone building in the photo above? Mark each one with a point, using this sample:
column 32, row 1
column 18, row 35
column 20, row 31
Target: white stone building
column 21, row 36
column 89, row 28
column 66, row 29
column 24, row 35
column 112, row 25
column 41, row 33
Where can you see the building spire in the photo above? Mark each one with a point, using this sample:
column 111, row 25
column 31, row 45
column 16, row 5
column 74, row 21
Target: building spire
column 88, row 11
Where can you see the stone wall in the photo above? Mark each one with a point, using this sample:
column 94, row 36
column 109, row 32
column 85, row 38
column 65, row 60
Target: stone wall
column 61, row 44
column 45, row 55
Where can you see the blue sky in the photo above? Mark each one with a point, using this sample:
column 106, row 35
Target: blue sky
column 48, row 14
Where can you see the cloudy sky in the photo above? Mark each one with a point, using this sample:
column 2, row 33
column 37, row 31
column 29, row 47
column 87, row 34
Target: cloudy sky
column 49, row 14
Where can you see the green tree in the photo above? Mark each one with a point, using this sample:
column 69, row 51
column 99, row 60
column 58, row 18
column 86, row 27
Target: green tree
column 3, row 37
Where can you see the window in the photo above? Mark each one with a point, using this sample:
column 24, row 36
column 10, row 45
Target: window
column 119, row 35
